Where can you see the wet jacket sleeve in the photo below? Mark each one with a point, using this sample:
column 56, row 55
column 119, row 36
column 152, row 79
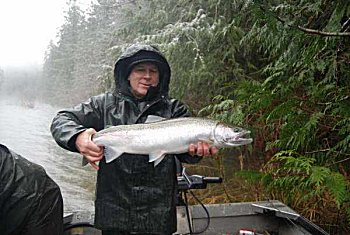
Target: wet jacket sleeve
column 68, row 123
column 29, row 199
column 180, row 110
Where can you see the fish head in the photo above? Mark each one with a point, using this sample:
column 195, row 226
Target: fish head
column 227, row 136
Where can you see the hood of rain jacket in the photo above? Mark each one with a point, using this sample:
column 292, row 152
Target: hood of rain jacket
column 136, row 54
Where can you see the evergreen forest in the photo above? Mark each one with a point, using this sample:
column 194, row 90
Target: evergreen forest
column 280, row 68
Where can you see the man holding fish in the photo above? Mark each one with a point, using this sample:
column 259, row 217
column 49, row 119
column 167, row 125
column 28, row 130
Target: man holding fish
column 133, row 194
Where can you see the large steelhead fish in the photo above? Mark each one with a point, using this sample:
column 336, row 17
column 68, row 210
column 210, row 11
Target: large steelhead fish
column 172, row 136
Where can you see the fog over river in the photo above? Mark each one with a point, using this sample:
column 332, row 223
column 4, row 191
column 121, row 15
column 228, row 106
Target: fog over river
column 25, row 128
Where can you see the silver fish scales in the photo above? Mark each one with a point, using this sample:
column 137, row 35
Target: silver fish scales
column 157, row 138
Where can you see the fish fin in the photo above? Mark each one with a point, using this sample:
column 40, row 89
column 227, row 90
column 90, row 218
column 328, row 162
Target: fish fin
column 154, row 118
column 156, row 157
column 111, row 153
column 84, row 161
column 156, row 162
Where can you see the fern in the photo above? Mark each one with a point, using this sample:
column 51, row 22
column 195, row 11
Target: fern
column 338, row 187
column 294, row 174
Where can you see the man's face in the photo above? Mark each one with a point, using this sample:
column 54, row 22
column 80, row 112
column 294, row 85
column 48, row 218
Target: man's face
column 142, row 77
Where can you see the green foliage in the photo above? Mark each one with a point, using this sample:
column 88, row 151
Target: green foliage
column 252, row 177
column 267, row 65
column 299, row 176
column 224, row 109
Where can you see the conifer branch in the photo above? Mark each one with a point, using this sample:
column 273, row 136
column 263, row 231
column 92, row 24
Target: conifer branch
column 307, row 30
column 314, row 31
column 340, row 161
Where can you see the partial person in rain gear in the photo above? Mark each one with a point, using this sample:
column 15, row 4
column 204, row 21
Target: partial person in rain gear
column 132, row 196
column 30, row 201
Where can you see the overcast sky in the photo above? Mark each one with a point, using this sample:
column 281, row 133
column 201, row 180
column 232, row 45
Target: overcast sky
column 26, row 28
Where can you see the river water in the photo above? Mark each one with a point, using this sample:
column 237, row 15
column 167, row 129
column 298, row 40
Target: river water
column 25, row 129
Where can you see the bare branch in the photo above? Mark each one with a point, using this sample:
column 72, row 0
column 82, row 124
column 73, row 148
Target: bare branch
column 322, row 33
column 341, row 161
column 307, row 30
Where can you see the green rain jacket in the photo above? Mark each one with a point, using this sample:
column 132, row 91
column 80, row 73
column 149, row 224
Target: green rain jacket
column 131, row 194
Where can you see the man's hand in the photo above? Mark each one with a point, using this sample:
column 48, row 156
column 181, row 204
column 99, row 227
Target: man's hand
column 202, row 149
column 92, row 152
